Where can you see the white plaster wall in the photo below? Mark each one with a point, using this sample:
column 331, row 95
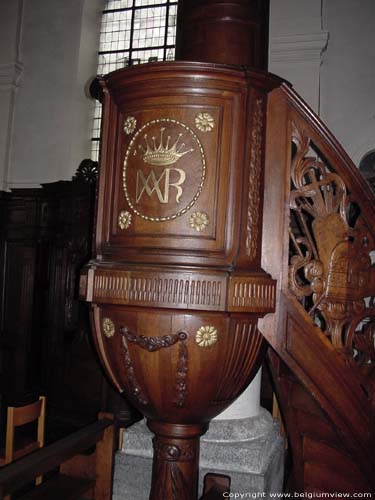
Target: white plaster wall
column 51, row 131
column 10, row 72
column 295, row 16
column 348, row 74
column 83, row 105
column 297, row 41
column 45, row 124
column 10, row 13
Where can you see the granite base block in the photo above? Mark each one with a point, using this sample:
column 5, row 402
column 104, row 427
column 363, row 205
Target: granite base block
column 132, row 479
column 250, row 451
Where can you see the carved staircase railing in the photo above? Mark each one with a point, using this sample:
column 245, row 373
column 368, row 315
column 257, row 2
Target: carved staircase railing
column 319, row 242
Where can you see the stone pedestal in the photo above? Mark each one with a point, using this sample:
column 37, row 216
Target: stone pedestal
column 250, row 450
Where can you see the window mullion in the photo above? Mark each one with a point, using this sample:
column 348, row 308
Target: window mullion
column 166, row 31
column 131, row 33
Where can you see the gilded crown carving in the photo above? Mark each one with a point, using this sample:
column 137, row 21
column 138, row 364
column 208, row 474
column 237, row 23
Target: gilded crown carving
column 163, row 154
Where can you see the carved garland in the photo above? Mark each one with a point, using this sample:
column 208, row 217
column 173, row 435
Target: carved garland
column 153, row 344
column 330, row 270
column 254, row 181
column 136, row 389
column 182, row 369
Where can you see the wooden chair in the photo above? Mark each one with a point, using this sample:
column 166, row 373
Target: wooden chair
column 18, row 416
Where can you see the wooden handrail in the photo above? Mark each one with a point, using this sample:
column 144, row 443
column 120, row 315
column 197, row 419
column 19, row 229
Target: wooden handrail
column 336, row 154
column 23, row 471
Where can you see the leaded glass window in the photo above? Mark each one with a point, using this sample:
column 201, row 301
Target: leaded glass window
column 133, row 32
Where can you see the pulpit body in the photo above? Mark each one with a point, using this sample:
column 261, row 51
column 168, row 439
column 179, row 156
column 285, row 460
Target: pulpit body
column 176, row 287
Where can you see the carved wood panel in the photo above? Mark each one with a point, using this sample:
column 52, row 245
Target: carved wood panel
column 45, row 330
column 176, row 178
column 18, row 264
column 17, row 315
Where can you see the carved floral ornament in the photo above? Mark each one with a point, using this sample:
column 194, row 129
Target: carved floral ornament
column 199, row 221
column 206, row 336
column 330, row 270
column 108, row 327
column 130, row 125
column 87, row 172
column 204, row 122
column 124, row 219
column 172, row 452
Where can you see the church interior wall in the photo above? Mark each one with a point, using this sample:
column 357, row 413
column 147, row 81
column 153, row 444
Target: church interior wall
column 48, row 56
column 348, row 74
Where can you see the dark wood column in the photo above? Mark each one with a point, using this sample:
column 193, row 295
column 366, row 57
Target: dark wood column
column 227, row 32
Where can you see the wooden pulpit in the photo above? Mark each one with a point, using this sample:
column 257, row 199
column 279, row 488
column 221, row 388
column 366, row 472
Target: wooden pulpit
column 176, row 287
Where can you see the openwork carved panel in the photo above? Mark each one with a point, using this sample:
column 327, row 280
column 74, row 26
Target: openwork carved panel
column 330, row 271
column 178, row 164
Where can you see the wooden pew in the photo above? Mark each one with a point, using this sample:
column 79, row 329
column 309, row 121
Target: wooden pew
column 84, row 461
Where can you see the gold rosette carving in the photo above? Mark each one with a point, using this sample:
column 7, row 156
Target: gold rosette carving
column 206, row 336
column 199, row 221
column 108, row 327
column 204, row 122
column 129, row 125
column 124, row 219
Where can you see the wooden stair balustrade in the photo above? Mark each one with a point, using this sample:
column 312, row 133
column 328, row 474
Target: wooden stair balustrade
column 319, row 242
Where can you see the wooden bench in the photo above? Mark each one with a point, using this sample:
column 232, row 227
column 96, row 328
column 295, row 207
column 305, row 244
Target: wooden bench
column 81, row 465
